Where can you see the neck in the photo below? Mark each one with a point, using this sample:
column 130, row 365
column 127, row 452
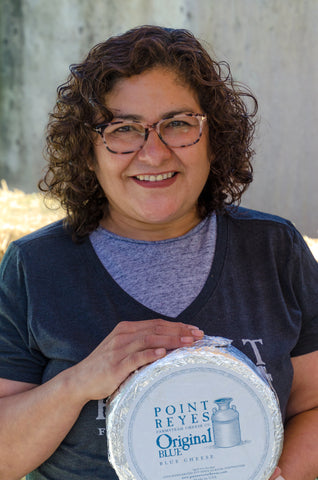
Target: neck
column 150, row 231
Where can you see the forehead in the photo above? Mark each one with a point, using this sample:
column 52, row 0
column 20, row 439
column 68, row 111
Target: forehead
column 151, row 94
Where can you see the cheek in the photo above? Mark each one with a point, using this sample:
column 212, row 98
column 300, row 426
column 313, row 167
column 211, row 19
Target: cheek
column 110, row 173
column 204, row 163
column 102, row 163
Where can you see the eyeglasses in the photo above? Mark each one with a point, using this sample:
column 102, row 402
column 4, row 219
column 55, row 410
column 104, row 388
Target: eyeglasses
column 128, row 136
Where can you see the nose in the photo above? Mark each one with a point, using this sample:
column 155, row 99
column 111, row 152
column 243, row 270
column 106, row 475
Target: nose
column 154, row 150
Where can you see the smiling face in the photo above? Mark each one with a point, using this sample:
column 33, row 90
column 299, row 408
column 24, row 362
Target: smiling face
column 152, row 193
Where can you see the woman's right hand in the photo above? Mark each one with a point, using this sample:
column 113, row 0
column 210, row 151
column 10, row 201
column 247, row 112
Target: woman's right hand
column 128, row 347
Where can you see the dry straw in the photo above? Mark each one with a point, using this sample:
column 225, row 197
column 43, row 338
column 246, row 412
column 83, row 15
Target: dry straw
column 23, row 213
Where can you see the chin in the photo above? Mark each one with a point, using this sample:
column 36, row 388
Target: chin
column 158, row 220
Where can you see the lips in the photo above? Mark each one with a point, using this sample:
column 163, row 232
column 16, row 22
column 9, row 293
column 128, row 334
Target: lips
column 155, row 178
column 153, row 181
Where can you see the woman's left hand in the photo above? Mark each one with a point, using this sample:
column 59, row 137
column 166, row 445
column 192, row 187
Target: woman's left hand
column 277, row 475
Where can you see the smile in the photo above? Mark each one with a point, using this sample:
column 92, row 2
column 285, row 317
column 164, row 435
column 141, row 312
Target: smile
column 155, row 178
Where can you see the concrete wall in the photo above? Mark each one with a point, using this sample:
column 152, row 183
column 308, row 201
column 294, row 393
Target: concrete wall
column 271, row 45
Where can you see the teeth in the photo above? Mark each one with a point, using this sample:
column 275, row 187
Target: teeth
column 155, row 178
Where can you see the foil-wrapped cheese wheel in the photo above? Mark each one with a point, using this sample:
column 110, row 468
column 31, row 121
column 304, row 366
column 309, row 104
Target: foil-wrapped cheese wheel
column 200, row 413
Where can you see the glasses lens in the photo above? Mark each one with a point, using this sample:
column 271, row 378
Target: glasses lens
column 180, row 130
column 124, row 136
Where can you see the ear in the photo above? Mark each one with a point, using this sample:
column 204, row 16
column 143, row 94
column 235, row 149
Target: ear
column 91, row 161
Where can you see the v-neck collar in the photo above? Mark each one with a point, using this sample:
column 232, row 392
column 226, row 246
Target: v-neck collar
column 106, row 281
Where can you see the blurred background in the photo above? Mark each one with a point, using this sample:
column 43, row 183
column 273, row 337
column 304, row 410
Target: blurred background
column 271, row 45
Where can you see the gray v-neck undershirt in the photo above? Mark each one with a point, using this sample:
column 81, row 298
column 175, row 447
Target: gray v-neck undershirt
column 165, row 276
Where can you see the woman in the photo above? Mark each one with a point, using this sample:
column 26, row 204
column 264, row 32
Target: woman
column 149, row 146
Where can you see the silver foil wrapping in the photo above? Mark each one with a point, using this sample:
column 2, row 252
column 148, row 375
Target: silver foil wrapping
column 200, row 413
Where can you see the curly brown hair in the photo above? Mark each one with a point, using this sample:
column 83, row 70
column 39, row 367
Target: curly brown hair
column 80, row 103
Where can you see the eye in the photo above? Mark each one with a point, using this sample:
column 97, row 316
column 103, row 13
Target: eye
column 124, row 129
column 177, row 124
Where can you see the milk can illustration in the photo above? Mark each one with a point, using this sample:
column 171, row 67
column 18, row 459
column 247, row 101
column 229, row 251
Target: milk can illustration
column 226, row 424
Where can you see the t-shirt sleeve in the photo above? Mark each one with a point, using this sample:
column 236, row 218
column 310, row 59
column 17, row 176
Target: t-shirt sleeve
column 20, row 360
column 305, row 284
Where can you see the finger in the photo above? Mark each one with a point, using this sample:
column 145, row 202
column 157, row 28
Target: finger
column 126, row 344
column 139, row 359
column 181, row 329
column 131, row 351
column 158, row 325
column 152, row 334
column 126, row 352
column 276, row 475
column 131, row 363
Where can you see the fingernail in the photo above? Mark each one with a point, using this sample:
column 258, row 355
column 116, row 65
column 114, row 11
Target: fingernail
column 194, row 327
column 197, row 333
column 160, row 352
column 187, row 339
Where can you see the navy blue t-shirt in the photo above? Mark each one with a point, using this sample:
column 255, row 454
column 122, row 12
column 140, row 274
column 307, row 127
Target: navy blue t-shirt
column 57, row 303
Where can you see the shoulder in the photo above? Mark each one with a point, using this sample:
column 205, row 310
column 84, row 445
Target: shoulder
column 253, row 217
column 49, row 245
column 50, row 232
column 261, row 225
column 45, row 241
column 265, row 234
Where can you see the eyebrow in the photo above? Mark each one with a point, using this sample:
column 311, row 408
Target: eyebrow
column 140, row 118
